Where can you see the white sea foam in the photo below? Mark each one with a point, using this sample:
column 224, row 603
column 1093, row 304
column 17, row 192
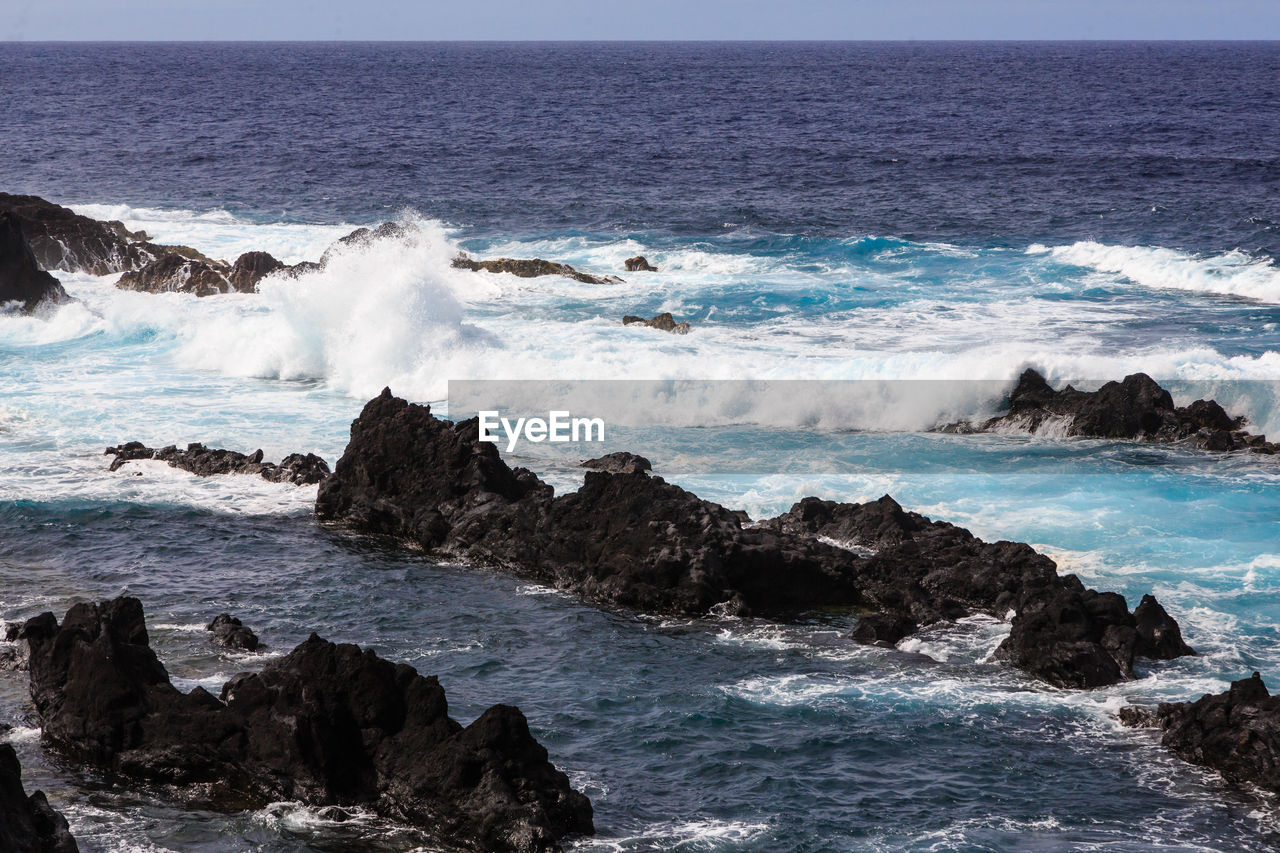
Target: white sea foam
column 1233, row 274
column 221, row 234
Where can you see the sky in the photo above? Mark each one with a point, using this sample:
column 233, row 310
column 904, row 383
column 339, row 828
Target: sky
column 430, row 20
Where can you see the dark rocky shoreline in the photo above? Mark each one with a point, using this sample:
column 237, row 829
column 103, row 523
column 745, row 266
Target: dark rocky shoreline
column 28, row 824
column 37, row 235
column 327, row 725
column 633, row 540
column 1236, row 733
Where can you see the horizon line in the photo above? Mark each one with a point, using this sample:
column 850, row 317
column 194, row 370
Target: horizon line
column 925, row 40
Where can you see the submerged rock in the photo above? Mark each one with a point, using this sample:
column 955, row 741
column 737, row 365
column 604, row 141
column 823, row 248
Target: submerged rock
column 530, row 269
column 639, row 264
column 28, row 824
column 1134, row 409
column 297, row 468
column 21, row 278
column 1236, row 732
column 634, row 540
column 664, row 322
column 231, row 633
column 329, row 725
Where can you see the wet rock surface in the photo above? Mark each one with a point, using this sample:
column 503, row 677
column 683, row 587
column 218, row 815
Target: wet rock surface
column 619, row 463
column 1136, row 408
column 298, row 468
column 1236, row 732
column 639, row 264
column 634, row 540
column 530, row 268
column 22, row 280
column 329, row 725
column 63, row 240
column 230, row 633
column 28, row 824
column 663, row 322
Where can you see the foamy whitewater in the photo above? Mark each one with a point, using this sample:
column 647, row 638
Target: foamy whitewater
column 928, row 220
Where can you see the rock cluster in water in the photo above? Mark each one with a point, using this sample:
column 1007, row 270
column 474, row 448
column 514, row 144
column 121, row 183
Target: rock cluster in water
column 531, row 268
column 298, row 468
column 180, row 273
column 1236, row 732
column 230, row 633
column 28, row 824
column 330, row 725
column 634, row 540
column 663, row 322
column 21, row 278
column 67, row 241
column 639, row 264
column 1134, row 409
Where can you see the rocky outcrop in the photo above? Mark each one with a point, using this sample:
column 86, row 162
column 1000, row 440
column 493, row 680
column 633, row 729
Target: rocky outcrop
column 632, row 539
column 530, row 269
column 251, row 268
column 297, row 468
column 63, row 240
column 1236, row 733
column 28, row 824
column 21, row 278
column 230, row 633
column 330, row 725
column 639, row 264
column 619, row 463
column 663, row 322
column 187, row 273
column 1134, row 409
column 918, row 572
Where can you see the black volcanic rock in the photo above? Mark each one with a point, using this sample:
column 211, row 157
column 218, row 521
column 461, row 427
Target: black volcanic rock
column 634, row 540
column 63, row 240
column 330, row 725
column 619, row 463
column 21, row 278
column 1134, row 409
column 531, row 268
column 28, row 824
column 663, row 322
column 297, row 468
column 249, row 269
column 231, row 633
column 639, row 264
column 1236, row 732
column 175, row 273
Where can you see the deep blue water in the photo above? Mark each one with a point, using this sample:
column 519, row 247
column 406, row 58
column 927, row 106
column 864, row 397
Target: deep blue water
column 818, row 211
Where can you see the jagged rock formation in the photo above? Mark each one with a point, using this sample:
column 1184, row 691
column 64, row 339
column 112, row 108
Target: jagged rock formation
column 28, row 824
column 639, row 264
column 530, row 269
column 297, row 468
column 664, row 322
column 66, row 241
column 634, row 540
column 327, row 724
column 181, row 273
column 1236, row 733
column 1135, row 409
column 21, row 278
column 231, row 633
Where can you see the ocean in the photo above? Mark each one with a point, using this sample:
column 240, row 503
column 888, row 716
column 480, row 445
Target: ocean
column 817, row 211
